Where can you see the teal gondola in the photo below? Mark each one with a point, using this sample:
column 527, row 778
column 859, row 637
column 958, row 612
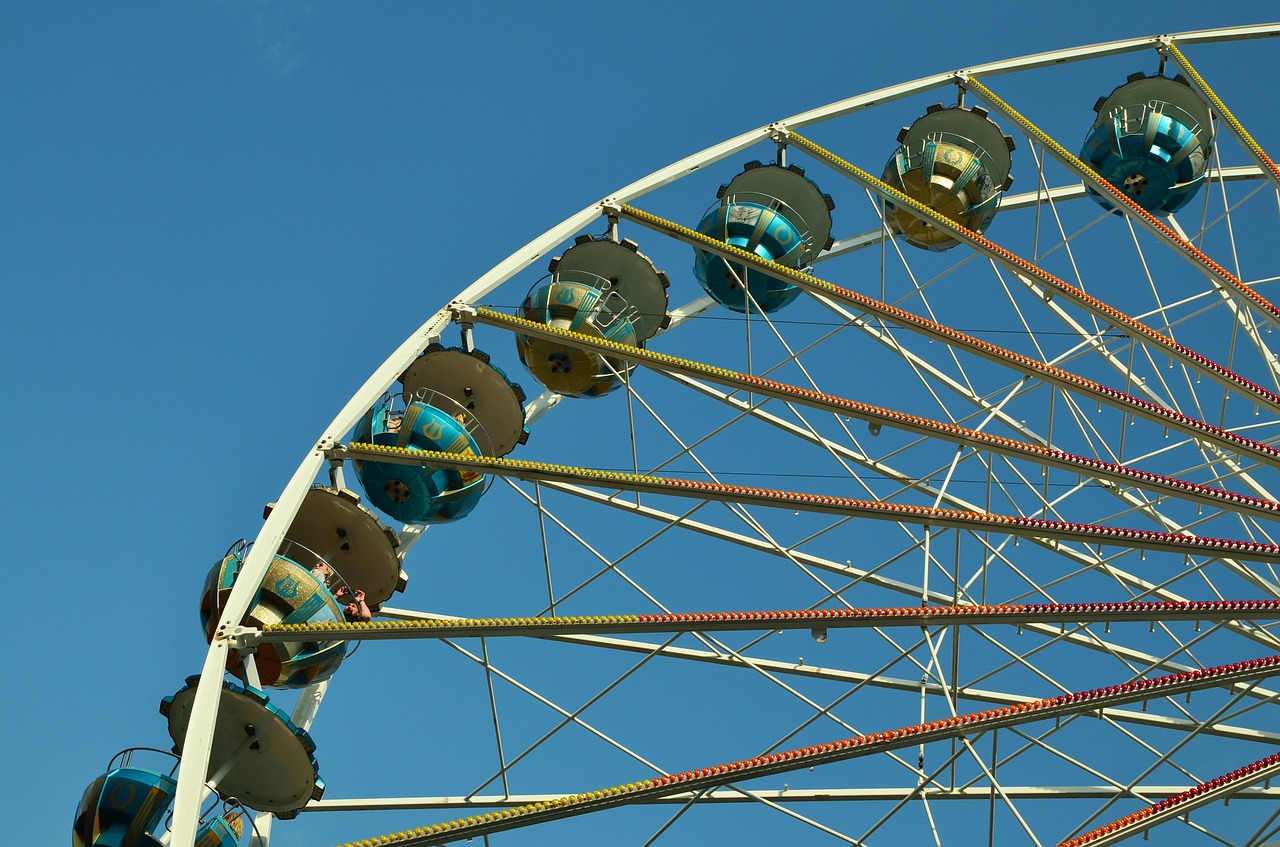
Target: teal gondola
column 429, row 421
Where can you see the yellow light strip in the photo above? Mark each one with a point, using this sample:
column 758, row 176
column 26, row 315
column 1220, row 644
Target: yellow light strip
column 975, row 439
column 1025, row 364
column 1037, row 528
column 967, row 615
column 1253, row 147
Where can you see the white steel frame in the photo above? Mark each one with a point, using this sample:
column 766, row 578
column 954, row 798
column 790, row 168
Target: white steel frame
column 195, row 761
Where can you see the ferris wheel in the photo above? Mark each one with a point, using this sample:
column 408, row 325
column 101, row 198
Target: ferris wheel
column 905, row 469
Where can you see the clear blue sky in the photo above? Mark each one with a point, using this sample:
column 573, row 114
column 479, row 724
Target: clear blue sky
column 217, row 217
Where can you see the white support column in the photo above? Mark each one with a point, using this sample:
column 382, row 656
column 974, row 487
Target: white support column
column 195, row 747
column 304, row 712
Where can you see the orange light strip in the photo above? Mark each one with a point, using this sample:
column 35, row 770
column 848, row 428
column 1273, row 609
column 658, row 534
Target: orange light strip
column 1109, row 314
column 1152, row 223
column 1211, row 791
column 967, row 615
column 707, row 778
